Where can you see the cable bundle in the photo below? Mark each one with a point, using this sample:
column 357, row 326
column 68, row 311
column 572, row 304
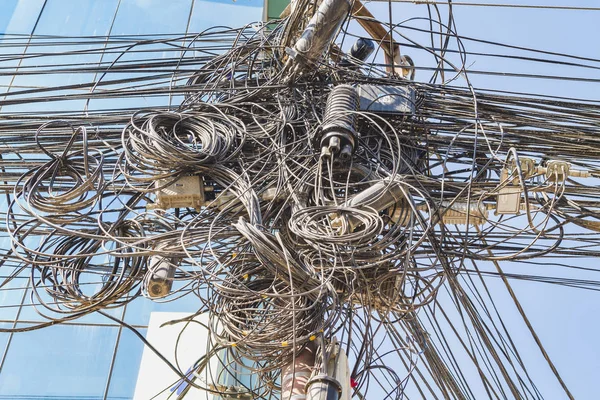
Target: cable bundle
column 318, row 217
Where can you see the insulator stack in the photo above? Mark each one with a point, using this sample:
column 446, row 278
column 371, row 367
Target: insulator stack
column 338, row 134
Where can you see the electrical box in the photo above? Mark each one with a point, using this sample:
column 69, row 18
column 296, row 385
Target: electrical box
column 459, row 212
column 187, row 191
column 387, row 99
column 509, row 200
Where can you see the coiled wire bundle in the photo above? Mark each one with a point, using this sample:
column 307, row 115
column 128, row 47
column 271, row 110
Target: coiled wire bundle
column 166, row 144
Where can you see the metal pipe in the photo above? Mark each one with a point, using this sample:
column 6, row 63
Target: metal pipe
column 320, row 31
column 380, row 196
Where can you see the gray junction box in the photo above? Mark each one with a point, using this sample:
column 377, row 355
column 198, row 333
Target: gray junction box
column 387, row 99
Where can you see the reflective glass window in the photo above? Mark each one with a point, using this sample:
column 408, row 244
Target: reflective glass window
column 17, row 20
column 126, row 365
column 61, row 361
column 73, row 57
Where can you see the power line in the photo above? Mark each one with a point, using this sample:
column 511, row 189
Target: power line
column 464, row 3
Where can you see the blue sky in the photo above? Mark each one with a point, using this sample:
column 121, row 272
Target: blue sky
column 564, row 318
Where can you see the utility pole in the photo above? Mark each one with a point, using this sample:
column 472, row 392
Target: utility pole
column 308, row 376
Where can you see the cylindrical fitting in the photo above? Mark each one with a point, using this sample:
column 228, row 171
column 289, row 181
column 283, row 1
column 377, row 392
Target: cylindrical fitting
column 339, row 120
column 346, row 153
column 323, row 387
column 362, row 49
column 334, row 144
column 160, row 275
column 321, row 30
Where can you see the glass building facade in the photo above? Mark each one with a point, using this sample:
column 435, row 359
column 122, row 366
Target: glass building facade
column 92, row 357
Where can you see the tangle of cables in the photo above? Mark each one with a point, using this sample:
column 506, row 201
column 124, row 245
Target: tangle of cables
column 302, row 192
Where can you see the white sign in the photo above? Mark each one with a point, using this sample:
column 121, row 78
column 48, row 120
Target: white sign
column 182, row 344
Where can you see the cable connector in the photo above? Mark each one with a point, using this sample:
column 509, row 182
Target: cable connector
column 527, row 165
column 457, row 213
column 557, row 171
